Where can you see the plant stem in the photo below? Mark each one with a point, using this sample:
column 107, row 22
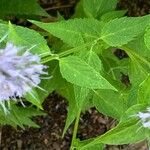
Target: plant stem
column 75, row 130
column 65, row 53
column 75, row 49
column 50, row 58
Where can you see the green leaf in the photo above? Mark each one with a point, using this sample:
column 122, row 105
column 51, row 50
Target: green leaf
column 139, row 71
column 112, row 104
column 68, row 93
column 123, row 30
column 93, row 147
column 137, row 74
column 91, row 58
column 133, row 110
column 23, row 115
column 78, row 72
column 79, row 12
column 21, row 8
column 54, row 81
column 30, row 38
column 4, row 29
column 95, row 62
column 147, row 37
column 144, row 91
column 80, row 95
column 79, row 31
column 121, row 133
column 25, row 37
column 95, row 8
column 34, row 98
column 132, row 113
column 112, row 15
column 81, row 145
column 113, row 66
column 19, row 116
column 129, row 126
column 139, row 46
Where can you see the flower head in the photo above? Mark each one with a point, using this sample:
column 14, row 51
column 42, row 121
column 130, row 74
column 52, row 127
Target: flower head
column 145, row 118
column 19, row 72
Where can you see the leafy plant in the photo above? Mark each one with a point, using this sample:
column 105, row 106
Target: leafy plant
column 23, row 8
column 86, row 72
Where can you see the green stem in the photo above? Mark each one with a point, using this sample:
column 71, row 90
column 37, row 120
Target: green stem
column 65, row 53
column 72, row 50
column 49, row 58
column 75, row 130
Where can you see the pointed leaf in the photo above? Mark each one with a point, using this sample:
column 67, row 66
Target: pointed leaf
column 19, row 116
column 80, row 95
column 144, row 91
column 23, row 8
column 112, row 15
column 94, row 8
column 78, row 72
column 112, row 104
column 92, row 59
column 68, row 93
column 28, row 38
column 139, row 46
column 121, row 133
column 120, row 31
column 130, row 126
column 74, row 32
column 147, row 37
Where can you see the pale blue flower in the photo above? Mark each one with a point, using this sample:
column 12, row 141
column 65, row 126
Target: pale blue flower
column 19, row 72
column 144, row 118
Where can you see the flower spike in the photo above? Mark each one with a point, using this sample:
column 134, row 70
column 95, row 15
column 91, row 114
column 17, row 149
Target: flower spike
column 18, row 73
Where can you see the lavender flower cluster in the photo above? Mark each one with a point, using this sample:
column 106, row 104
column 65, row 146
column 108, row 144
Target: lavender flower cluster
column 19, row 72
